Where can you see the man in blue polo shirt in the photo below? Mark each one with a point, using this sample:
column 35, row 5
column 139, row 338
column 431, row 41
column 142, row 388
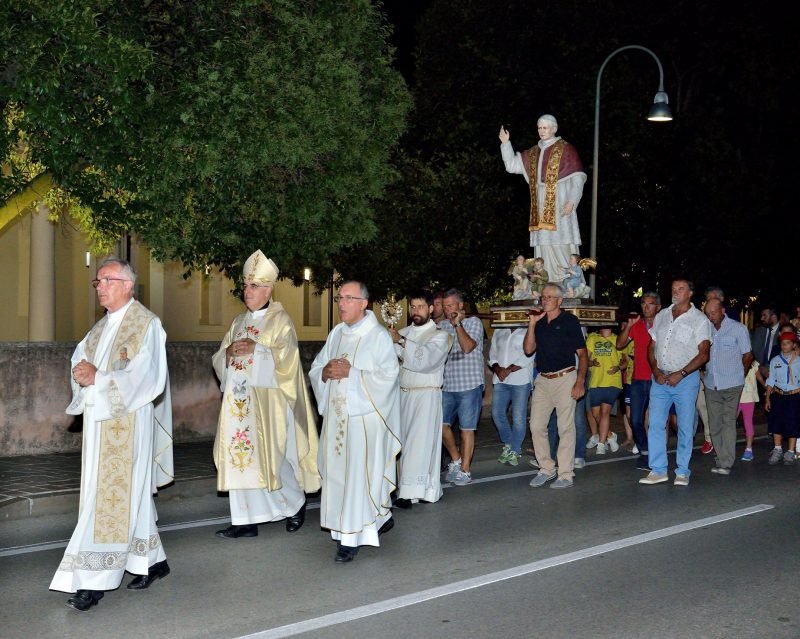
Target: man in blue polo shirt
column 730, row 361
column 556, row 338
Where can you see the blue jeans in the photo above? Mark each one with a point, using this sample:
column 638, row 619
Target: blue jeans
column 581, row 426
column 503, row 395
column 640, row 398
column 684, row 396
column 464, row 406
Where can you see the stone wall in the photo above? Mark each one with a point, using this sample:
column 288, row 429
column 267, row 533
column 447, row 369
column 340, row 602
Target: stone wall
column 35, row 390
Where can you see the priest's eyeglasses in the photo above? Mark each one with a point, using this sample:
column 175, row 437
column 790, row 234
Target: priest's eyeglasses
column 105, row 280
column 346, row 298
column 254, row 287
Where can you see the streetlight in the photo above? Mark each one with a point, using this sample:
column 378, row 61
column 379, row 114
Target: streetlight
column 659, row 112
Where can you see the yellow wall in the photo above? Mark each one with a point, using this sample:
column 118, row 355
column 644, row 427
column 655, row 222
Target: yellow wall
column 14, row 250
column 199, row 308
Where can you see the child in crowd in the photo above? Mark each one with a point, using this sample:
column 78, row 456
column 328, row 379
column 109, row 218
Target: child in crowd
column 782, row 401
column 747, row 403
column 605, row 386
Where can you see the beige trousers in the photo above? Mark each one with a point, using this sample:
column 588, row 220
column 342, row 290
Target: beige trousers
column 554, row 394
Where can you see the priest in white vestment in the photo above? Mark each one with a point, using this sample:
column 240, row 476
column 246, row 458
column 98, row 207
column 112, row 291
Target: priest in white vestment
column 354, row 378
column 121, row 386
column 266, row 445
column 422, row 349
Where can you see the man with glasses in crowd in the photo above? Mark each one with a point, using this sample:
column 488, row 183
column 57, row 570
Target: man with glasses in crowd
column 556, row 338
column 121, row 386
column 355, row 380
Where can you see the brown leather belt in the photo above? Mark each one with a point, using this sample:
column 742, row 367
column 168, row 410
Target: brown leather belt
column 558, row 374
column 783, row 392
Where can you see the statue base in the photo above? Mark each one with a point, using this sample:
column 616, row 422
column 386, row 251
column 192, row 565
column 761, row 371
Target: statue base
column 515, row 314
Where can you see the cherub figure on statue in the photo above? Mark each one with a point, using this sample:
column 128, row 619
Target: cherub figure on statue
column 538, row 277
column 574, row 283
column 519, row 271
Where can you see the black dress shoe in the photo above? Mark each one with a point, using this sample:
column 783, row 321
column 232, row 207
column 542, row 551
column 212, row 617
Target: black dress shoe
column 234, row 532
column 345, row 554
column 387, row 526
column 85, row 599
column 156, row 571
column 405, row 504
column 296, row 521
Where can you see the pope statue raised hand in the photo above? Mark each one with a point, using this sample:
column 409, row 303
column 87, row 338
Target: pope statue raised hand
column 555, row 174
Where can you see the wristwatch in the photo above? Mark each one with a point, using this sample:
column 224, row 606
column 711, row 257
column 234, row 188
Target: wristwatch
column 683, row 372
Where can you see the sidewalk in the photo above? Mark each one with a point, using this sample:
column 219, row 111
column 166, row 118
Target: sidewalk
column 32, row 486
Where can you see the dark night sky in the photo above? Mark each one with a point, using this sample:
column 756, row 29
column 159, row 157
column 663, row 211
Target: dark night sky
column 730, row 71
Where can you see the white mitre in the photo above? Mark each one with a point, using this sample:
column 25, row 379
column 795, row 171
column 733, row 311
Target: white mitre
column 260, row 269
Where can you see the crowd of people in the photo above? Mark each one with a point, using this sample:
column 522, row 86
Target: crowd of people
column 392, row 400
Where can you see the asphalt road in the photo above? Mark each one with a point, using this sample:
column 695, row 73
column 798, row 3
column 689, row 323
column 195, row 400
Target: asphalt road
column 606, row 558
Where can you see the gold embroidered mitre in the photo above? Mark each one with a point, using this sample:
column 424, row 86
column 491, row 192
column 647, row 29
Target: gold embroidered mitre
column 260, row 269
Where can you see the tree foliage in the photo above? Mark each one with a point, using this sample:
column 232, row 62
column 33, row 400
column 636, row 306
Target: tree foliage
column 228, row 125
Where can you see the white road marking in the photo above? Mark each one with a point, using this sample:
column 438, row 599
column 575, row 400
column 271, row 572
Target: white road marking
column 414, row 598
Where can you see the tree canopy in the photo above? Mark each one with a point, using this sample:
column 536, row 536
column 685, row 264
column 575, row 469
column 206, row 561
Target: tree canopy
column 209, row 128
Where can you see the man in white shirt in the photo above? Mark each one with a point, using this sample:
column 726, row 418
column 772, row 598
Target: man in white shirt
column 511, row 384
column 680, row 348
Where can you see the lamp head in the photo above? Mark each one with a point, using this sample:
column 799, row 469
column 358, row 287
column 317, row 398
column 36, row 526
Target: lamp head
column 660, row 111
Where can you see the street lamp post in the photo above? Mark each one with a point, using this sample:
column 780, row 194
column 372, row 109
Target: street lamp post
column 659, row 112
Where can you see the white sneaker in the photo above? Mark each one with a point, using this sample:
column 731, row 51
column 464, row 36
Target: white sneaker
column 453, row 468
column 601, row 448
column 635, row 449
column 593, row 441
column 462, row 478
column 612, row 442
column 579, row 462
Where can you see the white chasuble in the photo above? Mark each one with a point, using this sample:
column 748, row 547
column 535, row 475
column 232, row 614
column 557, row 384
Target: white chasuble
column 423, row 358
column 359, row 440
column 127, row 429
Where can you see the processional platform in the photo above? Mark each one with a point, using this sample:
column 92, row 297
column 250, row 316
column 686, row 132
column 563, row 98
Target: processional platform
column 515, row 314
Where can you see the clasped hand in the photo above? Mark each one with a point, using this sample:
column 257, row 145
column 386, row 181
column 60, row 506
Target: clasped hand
column 240, row 348
column 84, row 373
column 336, row 369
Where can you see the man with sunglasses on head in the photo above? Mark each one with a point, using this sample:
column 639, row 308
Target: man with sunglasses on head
column 355, row 380
column 120, row 385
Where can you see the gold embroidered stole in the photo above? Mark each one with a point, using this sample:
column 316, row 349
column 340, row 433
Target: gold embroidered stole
column 115, row 467
column 544, row 220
